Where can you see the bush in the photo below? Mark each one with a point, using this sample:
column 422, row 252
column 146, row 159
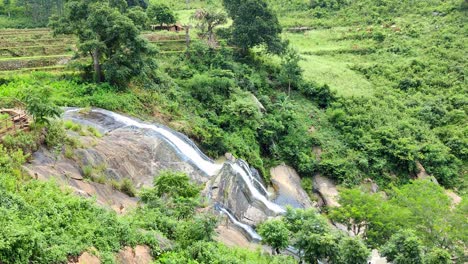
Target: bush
column 127, row 187
column 27, row 142
column 55, row 135
column 322, row 95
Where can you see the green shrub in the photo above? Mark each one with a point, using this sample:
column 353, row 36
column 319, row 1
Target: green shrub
column 55, row 135
column 28, row 142
column 127, row 187
column 94, row 132
column 69, row 153
column 87, row 171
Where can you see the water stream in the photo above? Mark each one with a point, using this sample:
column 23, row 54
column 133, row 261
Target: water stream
column 191, row 153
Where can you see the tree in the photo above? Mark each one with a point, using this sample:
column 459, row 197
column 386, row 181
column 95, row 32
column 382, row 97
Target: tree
column 357, row 210
column 254, row 24
column 311, row 235
column 138, row 16
column 208, row 19
column 40, row 10
column 291, row 72
column 429, row 209
column 109, row 37
column 353, row 251
column 6, row 4
column 39, row 105
column 200, row 228
column 403, row 247
column 275, row 234
column 161, row 14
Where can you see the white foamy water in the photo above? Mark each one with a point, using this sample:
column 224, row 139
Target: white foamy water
column 249, row 230
column 207, row 166
column 254, row 191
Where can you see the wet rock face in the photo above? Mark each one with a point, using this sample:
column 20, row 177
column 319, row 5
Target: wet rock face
column 131, row 149
column 122, row 153
column 231, row 191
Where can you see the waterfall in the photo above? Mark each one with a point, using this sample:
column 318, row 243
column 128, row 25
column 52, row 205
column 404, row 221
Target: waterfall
column 190, row 152
column 184, row 148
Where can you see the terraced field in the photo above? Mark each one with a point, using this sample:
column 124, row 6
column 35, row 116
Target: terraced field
column 25, row 50
column 33, row 49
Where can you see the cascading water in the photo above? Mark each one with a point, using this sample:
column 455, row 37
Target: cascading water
column 190, row 152
column 254, row 236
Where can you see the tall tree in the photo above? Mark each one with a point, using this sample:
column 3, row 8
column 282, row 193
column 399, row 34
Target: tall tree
column 161, row 14
column 109, row 37
column 254, row 24
column 39, row 11
column 141, row 3
column 208, row 19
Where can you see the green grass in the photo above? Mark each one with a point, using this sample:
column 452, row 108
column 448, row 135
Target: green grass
column 337, row 74
column 334, row 70
column 35, row 57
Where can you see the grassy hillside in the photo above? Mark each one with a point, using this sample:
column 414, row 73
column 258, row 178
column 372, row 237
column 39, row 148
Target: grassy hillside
column 382, row 94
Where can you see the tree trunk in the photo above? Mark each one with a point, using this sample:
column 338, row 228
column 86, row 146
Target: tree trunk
column 289, row 88
column 97, row 66
column 187, row 39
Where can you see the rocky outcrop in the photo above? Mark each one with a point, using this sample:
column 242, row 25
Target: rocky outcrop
column 231, row 236
column 138, row 255
column 86, row 258
column 123, row 153
column 288, row 185
column 139, row 151
column 231, row 191
column 326, row 189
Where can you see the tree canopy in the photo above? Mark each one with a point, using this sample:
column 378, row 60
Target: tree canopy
column 254, row 23
column 161, row 14
column 109, row 37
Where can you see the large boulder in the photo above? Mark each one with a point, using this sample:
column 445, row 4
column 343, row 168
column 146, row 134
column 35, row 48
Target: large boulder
column 288, row 185
column 326, row 189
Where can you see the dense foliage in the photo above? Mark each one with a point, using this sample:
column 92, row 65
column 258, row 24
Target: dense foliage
column 392, row 107
column 110, row 37
column 422, row 206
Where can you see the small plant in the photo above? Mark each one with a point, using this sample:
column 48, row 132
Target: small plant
column 82, row 133
column 69, row 152
column 68, row 124
column 100, row 179
column 38, row 104
column 127, row 187
column 72, row 142
column 94, row 132
column 27, row 142
column 87, row 171
column 85, row 110
column 76, row 127
column 115, row 184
